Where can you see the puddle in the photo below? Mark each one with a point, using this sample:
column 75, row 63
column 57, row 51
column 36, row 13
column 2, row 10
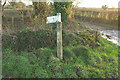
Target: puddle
column 107, row 33
column 111, row 35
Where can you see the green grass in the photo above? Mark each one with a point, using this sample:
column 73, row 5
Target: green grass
column 79, row 62
column 32, row 54
column 28, row 54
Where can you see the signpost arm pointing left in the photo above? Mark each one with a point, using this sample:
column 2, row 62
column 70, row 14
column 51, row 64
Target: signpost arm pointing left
column 57, row 19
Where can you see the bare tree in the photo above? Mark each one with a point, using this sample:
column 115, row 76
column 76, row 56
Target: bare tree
column 77, row 2
column 104, row 7
column 3, row 6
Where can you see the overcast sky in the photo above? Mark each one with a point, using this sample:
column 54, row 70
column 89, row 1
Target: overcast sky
column 99, row 3
column 89, row 3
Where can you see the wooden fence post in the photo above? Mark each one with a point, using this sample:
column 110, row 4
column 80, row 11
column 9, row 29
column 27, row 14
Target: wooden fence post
column 12, row 21
column 22, row 16
column 59, row 40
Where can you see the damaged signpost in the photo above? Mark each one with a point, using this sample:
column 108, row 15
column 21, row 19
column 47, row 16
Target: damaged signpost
column 57, row 19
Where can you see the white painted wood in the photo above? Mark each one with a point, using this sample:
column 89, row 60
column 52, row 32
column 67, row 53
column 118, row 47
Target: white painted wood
column 54, row 19
column 57, row 19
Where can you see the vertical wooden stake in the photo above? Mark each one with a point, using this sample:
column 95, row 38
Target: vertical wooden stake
column 59, row 40
column 23, row 16
column 12, row 21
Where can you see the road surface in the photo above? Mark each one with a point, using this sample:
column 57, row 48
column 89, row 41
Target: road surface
column 106, row 32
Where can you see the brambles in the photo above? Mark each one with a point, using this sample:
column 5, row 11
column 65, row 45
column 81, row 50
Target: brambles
column 79, row 61
column 32, row 54
column 28, row 40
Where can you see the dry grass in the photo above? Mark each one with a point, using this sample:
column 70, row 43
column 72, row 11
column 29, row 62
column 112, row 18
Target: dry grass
column 97, row 15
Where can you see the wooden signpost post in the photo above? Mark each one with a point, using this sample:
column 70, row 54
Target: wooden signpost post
column 57, row 19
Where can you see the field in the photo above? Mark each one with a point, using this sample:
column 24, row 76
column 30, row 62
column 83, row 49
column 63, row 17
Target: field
column 98, row 16
column 107, row 18
column 30, row 48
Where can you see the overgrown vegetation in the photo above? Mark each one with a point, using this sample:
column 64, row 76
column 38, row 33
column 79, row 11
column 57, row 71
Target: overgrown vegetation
column 28, row 40
column 65, row 8
column 23, row 58
column 30, row 48
column 79, row 61
column 41, row 10
column 31, row 40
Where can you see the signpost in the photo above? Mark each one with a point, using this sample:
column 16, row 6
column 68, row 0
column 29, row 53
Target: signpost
column 57, row 19
column 54, row 19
